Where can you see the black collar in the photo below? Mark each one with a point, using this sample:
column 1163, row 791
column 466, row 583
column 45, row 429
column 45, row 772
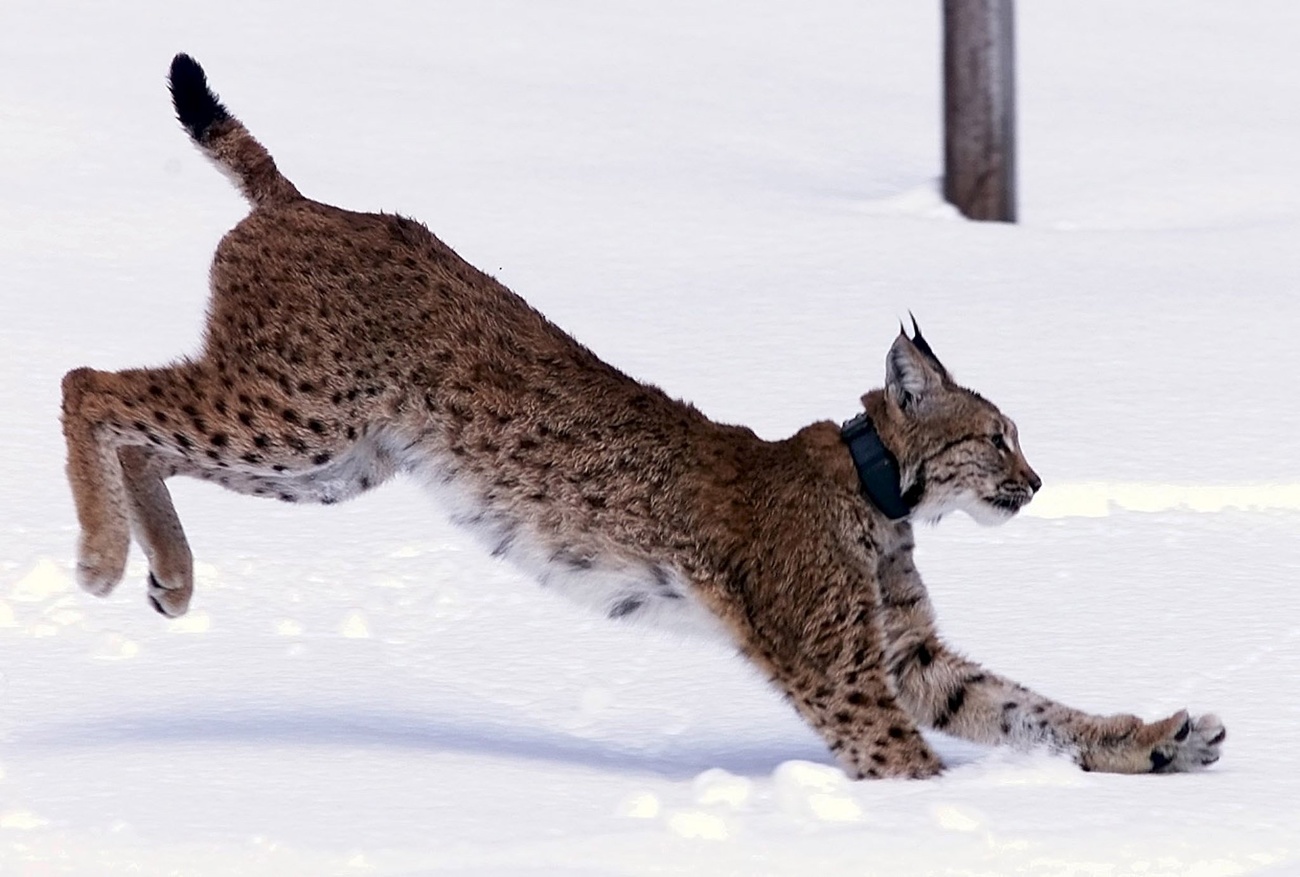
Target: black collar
column 877, row 468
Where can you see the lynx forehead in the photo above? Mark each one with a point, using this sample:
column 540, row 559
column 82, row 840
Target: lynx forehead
column 344, row 348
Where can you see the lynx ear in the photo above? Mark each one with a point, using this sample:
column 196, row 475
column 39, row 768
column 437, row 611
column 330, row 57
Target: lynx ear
column 913, row 376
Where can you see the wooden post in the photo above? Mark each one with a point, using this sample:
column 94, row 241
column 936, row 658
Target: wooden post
column 979, row 108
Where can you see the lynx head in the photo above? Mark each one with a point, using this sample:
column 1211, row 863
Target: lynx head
column 955, row 449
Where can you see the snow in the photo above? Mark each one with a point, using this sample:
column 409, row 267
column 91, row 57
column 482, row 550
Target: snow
column 736, row 203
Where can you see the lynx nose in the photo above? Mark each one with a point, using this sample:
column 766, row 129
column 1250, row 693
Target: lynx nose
column 1034, row 481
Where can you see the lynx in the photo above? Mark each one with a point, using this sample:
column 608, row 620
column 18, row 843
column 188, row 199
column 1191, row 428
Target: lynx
column 344, row 348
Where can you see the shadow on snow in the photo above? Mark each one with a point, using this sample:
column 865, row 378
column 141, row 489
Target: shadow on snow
column 675, row 759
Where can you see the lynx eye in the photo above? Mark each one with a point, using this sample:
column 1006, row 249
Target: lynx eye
column 1000, row 443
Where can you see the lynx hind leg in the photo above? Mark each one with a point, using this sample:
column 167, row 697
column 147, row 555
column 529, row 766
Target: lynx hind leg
column 126, row 432
column 157, row 529
column 121, row 432
column 95, row 475
column 1177, row 744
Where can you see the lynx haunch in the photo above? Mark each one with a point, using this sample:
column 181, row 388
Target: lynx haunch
column 343, row 348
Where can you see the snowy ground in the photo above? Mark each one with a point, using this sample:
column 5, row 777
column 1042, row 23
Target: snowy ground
column 735, row 201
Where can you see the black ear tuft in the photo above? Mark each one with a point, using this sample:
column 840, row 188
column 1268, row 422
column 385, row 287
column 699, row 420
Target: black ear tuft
column 924, row 346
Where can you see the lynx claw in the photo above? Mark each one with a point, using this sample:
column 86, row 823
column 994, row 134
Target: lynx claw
column 1194, row 746
column 171, row 602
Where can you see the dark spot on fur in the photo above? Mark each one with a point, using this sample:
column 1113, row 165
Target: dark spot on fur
column 219, row 439
column 305, row 387
column 182, row 441
column 857, row 698
column 844, row 717
column 289, row 415
column 1010, row 705
column 160, row 416
column 316, row 426
column 877, row 758
column 956, row 701
column 896, row 732
column 288, row 497
column 155, row 390
column 626, row 606
column 923, row 655
column 321, row 459
column 246, row 418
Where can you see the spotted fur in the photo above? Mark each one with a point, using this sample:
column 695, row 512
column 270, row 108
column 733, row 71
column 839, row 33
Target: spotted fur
column 344, row 348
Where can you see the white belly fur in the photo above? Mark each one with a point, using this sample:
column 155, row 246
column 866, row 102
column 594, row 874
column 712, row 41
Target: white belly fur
column 617, row 586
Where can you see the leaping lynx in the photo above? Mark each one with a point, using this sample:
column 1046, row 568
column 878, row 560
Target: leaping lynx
column 343, row 348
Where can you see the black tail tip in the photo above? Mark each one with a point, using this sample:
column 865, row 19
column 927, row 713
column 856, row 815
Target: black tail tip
column 197, row 107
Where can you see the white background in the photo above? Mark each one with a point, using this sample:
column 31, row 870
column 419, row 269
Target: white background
column 737, row 202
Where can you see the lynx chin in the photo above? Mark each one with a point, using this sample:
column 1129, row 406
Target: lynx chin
column 344, row 348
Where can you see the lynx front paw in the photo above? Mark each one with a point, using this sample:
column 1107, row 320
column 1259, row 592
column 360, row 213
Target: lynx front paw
column 1194, row 745
column 1126, row 744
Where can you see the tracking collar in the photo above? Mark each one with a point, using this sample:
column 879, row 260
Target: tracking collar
column 877, row 468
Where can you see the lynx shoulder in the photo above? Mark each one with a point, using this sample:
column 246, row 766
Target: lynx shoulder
column 343, row 348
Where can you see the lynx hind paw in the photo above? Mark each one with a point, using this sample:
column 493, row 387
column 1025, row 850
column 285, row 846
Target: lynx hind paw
column 100, row 565
column 1190, row 744
column 169, row 599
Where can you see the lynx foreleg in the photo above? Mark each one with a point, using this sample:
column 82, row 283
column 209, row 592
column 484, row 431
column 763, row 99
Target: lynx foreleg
column 831, row 667
column 854, row 711
column 948, row 693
